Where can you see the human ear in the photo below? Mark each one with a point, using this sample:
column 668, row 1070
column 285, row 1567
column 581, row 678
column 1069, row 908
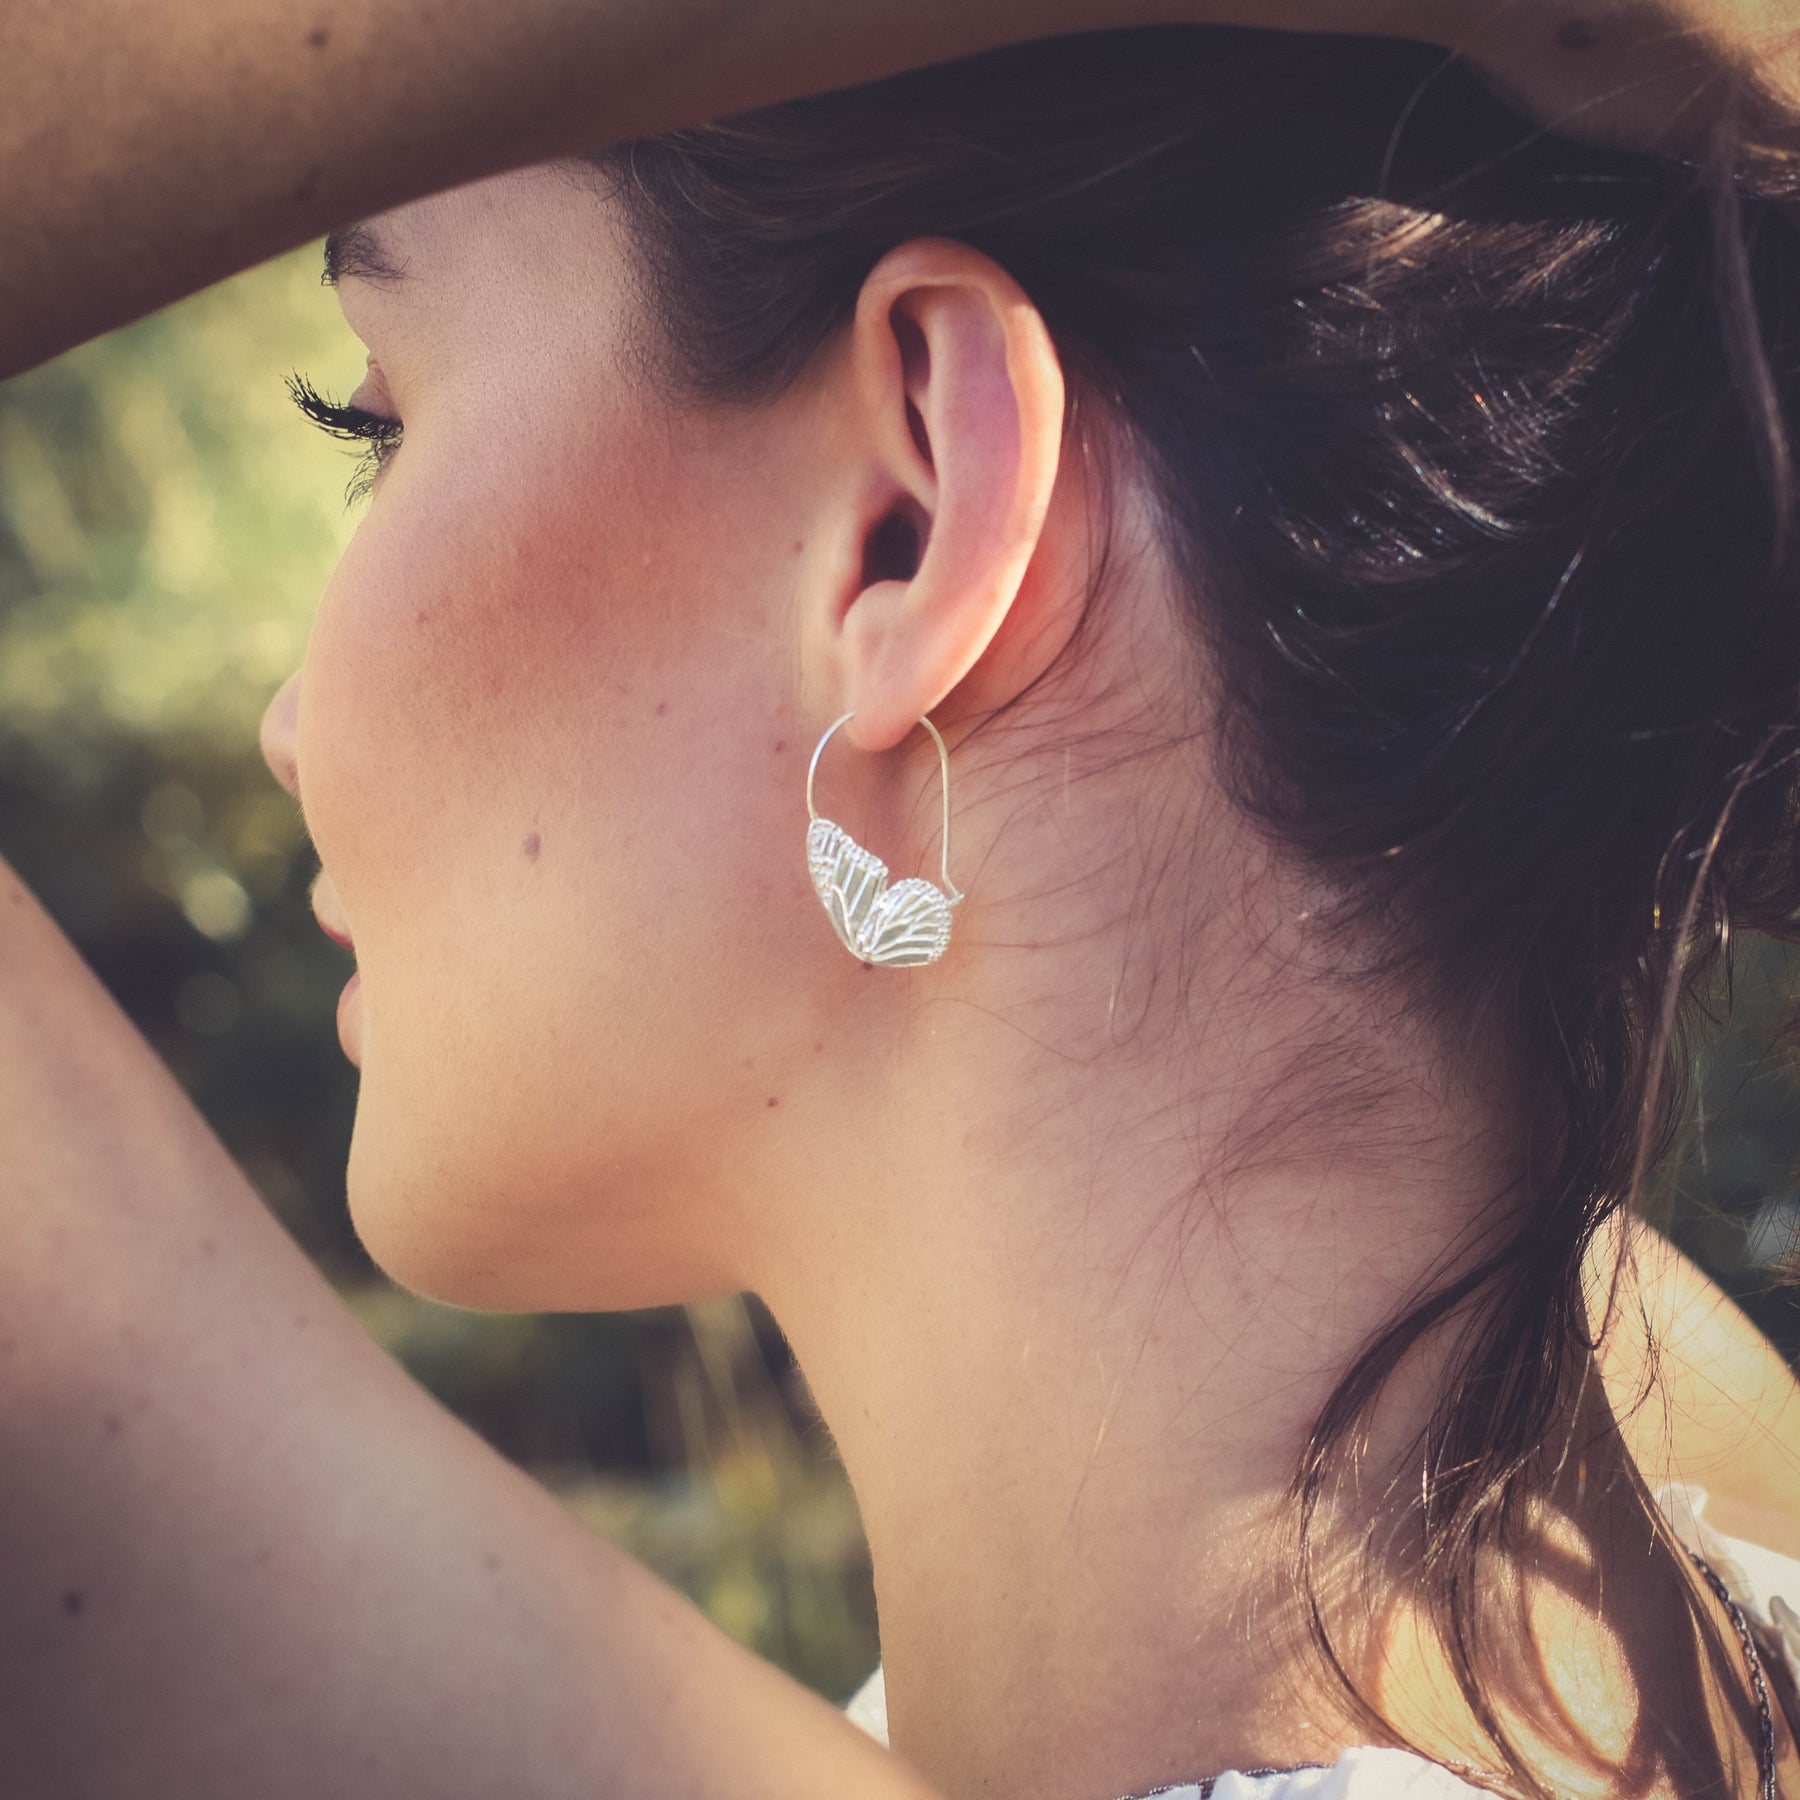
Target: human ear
column 957, row 396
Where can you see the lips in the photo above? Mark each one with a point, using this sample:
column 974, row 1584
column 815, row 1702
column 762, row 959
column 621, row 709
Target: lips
column 329, row 911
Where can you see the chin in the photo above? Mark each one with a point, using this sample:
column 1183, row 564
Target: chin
column 420, row 1249
column 457, row 1243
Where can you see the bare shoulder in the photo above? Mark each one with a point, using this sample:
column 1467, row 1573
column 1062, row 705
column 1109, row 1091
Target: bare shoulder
column 1702, row 1394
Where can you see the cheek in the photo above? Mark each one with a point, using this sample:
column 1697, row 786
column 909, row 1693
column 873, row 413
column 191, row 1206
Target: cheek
column 545, row 762
column 429, row 639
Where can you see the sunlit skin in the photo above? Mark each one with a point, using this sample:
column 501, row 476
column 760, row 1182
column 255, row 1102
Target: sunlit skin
column 1065, row 1377
column 551, row 740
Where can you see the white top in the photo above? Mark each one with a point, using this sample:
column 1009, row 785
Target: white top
column 1764, row 1582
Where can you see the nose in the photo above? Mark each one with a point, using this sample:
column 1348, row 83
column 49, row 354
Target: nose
column 280, row 735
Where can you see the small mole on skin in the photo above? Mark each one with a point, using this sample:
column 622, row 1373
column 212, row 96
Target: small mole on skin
column 419, row 616
column 818, row 1047
column 490, row 1559
column 208, row 1247
column 318, row 37
column 112, row 1425
column 1579, row 34
column 73, row 1601
column 773, row 1101
column 532, row 845
column 662, row 706
column 780, row 745
column 799, row 545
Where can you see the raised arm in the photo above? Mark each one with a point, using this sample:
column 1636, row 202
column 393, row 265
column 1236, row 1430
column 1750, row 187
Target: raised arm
column 242, row 1554
column 148, row 150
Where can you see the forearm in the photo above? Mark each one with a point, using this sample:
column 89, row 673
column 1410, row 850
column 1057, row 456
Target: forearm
column 148, row 150
column 241, row 1553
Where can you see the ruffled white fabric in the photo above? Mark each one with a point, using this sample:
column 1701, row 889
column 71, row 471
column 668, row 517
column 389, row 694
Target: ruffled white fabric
column 1365, row 1773
column 1764, row 1582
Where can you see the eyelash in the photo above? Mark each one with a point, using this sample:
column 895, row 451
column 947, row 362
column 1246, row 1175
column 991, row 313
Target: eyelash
column 379, row 437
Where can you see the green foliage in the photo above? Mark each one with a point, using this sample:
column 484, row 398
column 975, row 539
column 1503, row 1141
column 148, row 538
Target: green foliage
column 167, row 519
column 1729, row 1195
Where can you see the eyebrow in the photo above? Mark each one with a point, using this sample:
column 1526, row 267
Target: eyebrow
column 361, row 252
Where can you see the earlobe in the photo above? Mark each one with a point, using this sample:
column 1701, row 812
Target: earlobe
column 959, row 394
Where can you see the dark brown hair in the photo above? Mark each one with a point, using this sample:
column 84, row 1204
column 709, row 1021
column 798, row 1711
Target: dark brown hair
column 1474, row 444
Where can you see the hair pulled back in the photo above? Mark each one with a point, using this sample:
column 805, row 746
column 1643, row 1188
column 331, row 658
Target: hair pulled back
column 1472, row 444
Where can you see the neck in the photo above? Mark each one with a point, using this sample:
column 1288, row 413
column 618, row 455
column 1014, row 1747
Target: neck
column 1073, row 1472
column 1082, row 1298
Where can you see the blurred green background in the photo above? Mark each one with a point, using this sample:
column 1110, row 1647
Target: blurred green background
column 167, row 520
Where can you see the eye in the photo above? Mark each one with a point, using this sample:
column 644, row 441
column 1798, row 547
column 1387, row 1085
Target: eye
column 379, row 436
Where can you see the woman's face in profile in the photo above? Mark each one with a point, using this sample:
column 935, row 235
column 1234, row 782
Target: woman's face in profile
column 550, row 748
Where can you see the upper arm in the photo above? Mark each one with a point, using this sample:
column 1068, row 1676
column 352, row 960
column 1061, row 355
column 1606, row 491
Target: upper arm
column 242, row 1553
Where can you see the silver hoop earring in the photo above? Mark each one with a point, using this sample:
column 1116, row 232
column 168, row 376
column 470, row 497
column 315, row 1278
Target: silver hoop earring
column 898, row 927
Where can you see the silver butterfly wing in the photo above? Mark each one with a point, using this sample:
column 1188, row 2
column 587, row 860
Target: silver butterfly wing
column 909, row 926
column 848, row 879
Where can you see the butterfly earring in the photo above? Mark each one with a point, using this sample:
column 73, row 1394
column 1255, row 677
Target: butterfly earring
column 898, row 927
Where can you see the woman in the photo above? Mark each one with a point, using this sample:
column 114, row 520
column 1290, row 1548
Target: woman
column 1286, row 481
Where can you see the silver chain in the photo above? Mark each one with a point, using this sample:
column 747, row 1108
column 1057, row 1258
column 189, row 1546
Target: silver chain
column 1759, row 1683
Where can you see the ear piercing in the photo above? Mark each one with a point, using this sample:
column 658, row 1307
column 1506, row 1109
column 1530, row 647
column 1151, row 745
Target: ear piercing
column 898, row 927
